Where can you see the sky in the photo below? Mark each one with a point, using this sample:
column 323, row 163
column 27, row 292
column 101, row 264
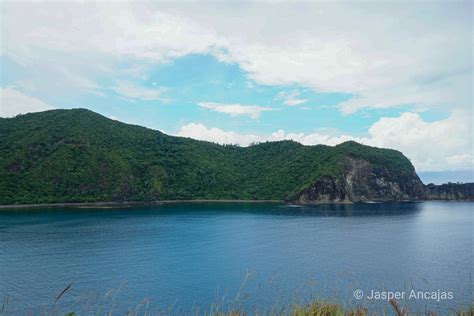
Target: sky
column 388, row 74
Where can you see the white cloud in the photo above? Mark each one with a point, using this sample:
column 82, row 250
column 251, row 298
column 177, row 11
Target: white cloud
column 430, row 145
column 290, row 98
column 201, row 132
column 253, row 111
column 132, row 91
column 438, row 145
column 345, row 48
column 120, row 29
column 217, row 135
column 13, row 102
column 333, row 47
column 69, row 46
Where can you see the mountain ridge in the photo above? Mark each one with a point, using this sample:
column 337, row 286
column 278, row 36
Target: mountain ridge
column 77, row 155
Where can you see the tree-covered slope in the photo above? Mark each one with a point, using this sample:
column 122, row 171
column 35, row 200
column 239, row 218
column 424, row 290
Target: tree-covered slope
column 80, row 156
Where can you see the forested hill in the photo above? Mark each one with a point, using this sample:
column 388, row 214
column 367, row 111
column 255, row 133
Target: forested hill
column 80, row 156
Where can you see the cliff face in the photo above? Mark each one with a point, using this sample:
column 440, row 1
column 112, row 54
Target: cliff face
column 360, row 181
column 450, row 191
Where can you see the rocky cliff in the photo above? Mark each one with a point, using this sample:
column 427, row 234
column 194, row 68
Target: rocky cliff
column 361, row 181
column 450, row 191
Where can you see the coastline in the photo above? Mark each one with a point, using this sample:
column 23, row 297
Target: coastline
column 156, row 203
column 126, row 204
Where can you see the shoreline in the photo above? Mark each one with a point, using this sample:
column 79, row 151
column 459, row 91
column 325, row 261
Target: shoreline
column 127, row 204
column 105, row 205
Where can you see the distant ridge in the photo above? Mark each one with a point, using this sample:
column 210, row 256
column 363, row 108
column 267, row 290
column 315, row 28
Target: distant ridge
column 78, row 156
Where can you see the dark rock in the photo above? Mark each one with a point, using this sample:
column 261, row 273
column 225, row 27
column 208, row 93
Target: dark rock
column 362, row 182
column 450, row 191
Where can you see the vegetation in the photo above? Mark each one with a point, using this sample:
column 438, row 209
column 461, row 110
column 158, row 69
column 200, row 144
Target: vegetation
column 80, row 156
column 318, row 308
column 112, row 303
column 314, row 308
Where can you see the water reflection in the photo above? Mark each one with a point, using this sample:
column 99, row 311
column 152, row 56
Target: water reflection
column 337, row 210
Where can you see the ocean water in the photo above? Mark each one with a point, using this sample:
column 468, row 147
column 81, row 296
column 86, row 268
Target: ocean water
column 179, row 258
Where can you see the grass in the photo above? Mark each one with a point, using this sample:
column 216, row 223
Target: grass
column 70, row 304
column 222, row 307
column 317, row 308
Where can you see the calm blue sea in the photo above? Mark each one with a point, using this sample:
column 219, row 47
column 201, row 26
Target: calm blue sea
column 179, row 258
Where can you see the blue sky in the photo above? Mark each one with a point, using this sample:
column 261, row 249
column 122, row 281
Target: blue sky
column 196, row 78
column 314, row 73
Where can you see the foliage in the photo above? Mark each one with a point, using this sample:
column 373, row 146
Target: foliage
column 80, row 156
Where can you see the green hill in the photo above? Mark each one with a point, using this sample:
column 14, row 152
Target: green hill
column 80, row 156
